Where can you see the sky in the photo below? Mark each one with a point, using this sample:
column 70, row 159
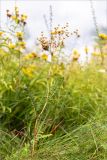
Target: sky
column 76, row 12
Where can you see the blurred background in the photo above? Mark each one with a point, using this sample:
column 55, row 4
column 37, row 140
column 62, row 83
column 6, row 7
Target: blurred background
column 77, row 13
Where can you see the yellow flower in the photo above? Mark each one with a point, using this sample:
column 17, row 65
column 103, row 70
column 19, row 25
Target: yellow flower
column 22, row 44
column 30, row 56
column 29, row 70
column 23, row 17
column 19, row 34
column 103, row 36
column 14, row 17
column 60, row 31
column 44, row 56
column 75, row 54
column 11, row 45
column 1, row 33
column 86, row 49
column 53, row 33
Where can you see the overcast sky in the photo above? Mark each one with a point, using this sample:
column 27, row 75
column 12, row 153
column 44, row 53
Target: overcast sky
column 77, row 13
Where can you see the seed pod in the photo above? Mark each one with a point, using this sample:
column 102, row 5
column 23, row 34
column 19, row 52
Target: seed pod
column 9, row 15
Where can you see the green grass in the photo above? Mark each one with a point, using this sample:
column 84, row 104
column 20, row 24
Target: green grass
column 59, row 114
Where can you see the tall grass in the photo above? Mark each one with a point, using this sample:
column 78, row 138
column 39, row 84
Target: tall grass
column 54, row 115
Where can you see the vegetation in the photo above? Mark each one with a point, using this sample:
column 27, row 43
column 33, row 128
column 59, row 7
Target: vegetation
column 50, row 110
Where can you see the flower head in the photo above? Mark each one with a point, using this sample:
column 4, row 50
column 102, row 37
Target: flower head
column 29, row 71
column 44, row 56
column 22, row 44
column 86, row 49
column 1, row 33
column 23, row 17
column 75, row 55
column 11, row 45
column 30, row 56
column 103, row 36
column 19, row 34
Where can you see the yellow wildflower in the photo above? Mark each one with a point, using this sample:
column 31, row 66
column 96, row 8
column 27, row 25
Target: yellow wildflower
column 86, row 50
column 75, row 54
column 22, row 44
column 44, row 56
column 29, row 70
column 30, row 56
column 1, row 33
column 103, row 36
column 23, row 17
column 11, row 45
column 14, row 17
column 53, row 33
column 19, row 34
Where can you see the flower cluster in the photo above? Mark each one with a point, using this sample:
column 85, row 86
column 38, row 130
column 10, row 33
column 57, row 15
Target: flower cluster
column 64, row 31
column 19, row 46
column 13, row 37
column 33, row 55
column 29, row 70
column 17, row 17
column 44, row 42
column 19, row 35
column 100, row 49
column 29, row 56
column 56, row 40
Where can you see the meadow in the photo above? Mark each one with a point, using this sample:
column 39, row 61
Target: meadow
column 51, row 109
